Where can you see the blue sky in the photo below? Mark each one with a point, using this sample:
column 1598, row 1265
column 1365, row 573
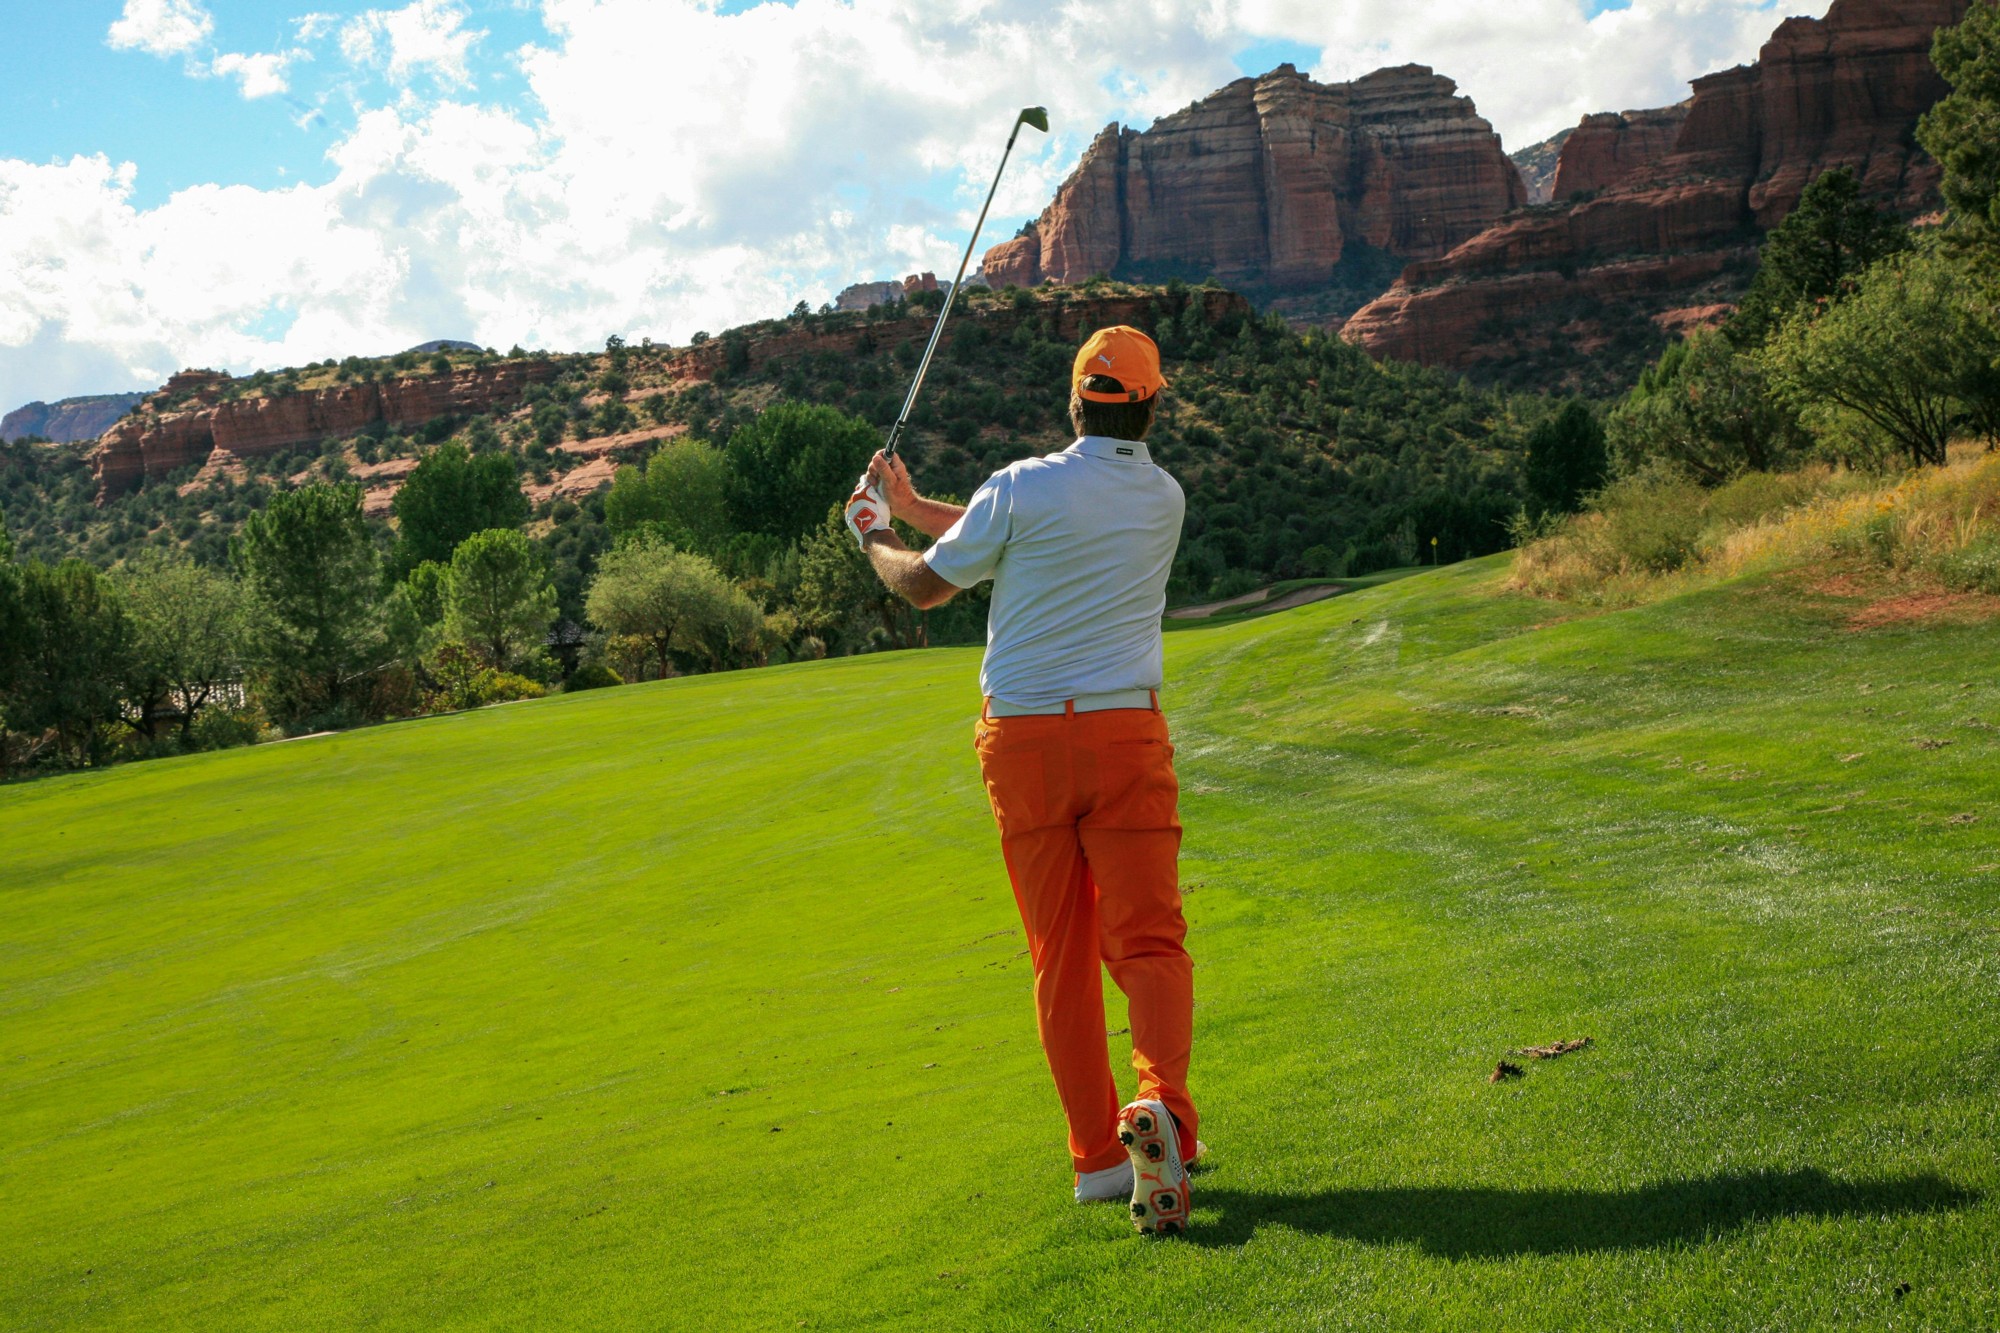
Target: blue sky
column 245, row 183
column 68, row 91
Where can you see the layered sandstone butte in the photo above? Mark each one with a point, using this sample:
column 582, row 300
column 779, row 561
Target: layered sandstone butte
column 1662, row 232
column 1613, row 146
column 1270, row 183
column 70, row 419
column 189, row 419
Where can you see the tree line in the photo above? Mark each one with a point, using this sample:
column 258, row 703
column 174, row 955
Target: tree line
column 720, row 558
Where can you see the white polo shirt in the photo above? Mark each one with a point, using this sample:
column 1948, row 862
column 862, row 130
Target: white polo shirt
column 1078, row 545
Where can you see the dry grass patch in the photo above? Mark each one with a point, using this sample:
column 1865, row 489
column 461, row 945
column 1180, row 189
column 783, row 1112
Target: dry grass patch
column 1932, row 536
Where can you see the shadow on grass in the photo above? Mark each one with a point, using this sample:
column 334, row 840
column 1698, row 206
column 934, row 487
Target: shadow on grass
column 1486, row 1223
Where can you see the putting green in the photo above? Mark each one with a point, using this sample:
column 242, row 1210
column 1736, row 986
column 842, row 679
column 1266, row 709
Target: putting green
column 703, row 1004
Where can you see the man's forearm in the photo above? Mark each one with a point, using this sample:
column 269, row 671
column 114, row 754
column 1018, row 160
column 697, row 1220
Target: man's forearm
column 933, row 518
column 904, row 572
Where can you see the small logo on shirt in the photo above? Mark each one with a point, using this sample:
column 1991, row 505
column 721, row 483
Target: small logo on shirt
column 1126, row 452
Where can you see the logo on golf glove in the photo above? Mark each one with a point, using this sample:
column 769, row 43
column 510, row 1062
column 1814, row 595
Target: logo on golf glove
column 867, row 511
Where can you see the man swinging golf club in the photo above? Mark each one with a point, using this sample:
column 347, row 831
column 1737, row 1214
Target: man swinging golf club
column 1074, row 750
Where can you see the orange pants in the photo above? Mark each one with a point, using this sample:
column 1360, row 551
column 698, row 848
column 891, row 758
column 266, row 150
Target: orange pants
column 1089, row 825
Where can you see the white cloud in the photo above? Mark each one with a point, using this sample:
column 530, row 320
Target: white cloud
column 311, row 27
column 1532, row 66
column 161, row 27
column 428, row 36
column 261, row 75
column 678, row 169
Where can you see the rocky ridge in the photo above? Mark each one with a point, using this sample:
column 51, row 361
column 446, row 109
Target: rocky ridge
column 1274, row 184
column 1610, row 147
column 70, row 419
column 189, row 418
column 1660, row 229
column 193, row 420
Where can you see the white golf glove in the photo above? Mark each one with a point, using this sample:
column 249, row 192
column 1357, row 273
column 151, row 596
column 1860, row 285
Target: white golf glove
column 867, row 511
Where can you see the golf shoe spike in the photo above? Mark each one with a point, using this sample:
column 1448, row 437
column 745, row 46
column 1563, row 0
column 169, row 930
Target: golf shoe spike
column 1160, row 1200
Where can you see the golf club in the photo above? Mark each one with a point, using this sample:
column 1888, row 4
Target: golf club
column 1039, row 118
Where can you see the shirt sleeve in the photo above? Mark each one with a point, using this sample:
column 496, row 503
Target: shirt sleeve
column 969, row 550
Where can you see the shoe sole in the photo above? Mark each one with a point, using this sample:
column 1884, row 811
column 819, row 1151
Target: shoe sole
column 1160, row 1199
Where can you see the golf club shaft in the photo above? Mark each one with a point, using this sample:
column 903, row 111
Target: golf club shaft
column 937, row 329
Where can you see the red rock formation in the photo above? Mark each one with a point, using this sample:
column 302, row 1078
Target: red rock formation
column 574, row 484
column 1845, row 90
column 1611, row 146
column 186, row 420
column 70, row 419
column 1268, row 183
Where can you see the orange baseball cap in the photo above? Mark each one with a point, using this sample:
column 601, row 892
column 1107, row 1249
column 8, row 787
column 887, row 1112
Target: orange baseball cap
column 1126, row 355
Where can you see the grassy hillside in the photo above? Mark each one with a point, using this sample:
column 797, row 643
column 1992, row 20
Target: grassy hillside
column 1301, row 456
column 702, row 1004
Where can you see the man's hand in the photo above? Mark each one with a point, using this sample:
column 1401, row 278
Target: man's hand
column 888, row 473
column 933, row 518
column 867, row 511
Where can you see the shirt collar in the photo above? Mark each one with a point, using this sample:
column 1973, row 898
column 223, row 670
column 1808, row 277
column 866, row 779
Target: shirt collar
column 1117, row 451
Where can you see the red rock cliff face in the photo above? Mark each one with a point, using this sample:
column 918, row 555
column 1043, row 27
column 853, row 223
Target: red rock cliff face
column 1268, row 183
column 186, row 421
column 1845, row 90
column 1611, row 146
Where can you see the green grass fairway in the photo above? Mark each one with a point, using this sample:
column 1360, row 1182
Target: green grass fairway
column 703, row 1004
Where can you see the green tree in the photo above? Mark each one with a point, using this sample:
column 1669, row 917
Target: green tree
column 1904, row 365
column 790, row 463
column 673, row 602
column 413, row 614
column 841, row 600
column 482, row 436
column 189, row 640
column 72, row 645
column 1962, row 131
column 681, row 497
column 1710, row 411
column 13, row 633
column 312, row 575
column 1566, row 459
column 497, row 597
column 449, row 496
column 1817, row 253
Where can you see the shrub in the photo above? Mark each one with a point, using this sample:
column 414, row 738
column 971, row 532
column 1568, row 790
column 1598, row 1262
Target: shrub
column 463, row 681
column 1756, row 495
column 226, row 728
column 594, row 676
column 1974, row 568
column 1652, row 520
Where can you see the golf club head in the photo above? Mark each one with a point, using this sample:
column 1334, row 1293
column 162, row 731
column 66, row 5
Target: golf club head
column 1038, row 116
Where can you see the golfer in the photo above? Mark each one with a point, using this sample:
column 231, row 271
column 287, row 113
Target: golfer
column 1074, row 750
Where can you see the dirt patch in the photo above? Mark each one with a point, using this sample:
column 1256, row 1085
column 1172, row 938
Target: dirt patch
column 1303, row 597
column 1844, row 585
column 592, row 476
column 1261, row 600
column 1958, row 608
column 601, row 445
column 1207, row 609
column 1554, row 1049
